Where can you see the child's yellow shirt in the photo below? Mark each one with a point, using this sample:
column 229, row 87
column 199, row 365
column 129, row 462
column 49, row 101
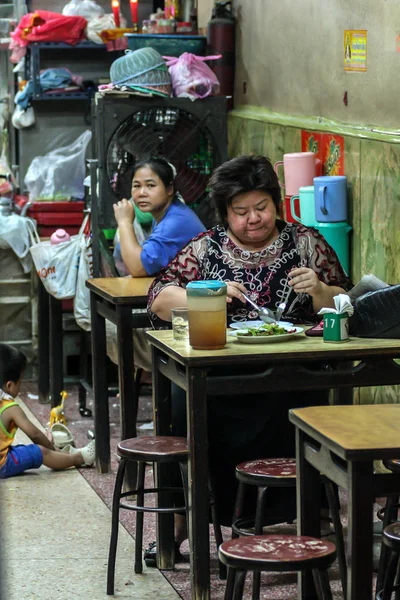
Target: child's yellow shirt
column 6, row 437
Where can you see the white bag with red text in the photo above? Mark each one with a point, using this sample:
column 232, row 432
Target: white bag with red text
column 57, row 266
column 82, row 295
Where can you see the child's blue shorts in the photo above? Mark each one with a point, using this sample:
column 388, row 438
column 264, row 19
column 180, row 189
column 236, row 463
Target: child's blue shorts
column 20, row 458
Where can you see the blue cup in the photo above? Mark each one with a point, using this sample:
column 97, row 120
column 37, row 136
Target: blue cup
column 307, row 206
column 330, row 195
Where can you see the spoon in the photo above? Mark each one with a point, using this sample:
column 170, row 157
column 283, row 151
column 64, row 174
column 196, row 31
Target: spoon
column 265, row 314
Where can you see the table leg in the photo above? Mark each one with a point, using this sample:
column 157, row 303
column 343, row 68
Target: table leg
column 308, row 509
column 342, row 395
column 43, row 344
column 127, row 399
column 100, row 392
column 162, row 426
column 360, row 530
column 56, row 351
column 196, row 406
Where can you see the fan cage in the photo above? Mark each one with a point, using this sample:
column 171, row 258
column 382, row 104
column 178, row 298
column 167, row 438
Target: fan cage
column 173, row 133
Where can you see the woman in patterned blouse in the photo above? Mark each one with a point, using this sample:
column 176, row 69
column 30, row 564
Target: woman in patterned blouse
column 255, row 252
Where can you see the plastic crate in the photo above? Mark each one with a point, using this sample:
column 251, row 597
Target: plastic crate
column 51, row 216
column 168, row 44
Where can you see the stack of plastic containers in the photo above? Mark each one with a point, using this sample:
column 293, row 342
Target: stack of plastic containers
column 324, row 206
column 299, row 168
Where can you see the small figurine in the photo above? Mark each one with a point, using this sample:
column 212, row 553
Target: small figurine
column 57, row 413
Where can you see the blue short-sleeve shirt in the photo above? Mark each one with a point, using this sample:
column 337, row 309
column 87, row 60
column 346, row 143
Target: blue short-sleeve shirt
column 178, row 226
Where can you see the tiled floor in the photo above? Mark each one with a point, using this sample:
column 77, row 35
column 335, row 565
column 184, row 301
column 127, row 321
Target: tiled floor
column 57, row 531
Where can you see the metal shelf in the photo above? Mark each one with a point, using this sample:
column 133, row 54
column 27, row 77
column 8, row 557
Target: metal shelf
column 63, row 46
column 62, row 96
column 32, row 67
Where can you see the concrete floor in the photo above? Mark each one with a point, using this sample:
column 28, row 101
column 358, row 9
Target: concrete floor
column 54, row 541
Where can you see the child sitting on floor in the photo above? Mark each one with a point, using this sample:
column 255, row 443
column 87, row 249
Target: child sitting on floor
column 19, row 458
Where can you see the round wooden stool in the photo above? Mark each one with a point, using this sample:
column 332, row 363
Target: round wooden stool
column 260, row 553
column 154, row 449
column 278, row 472
column 387, row 515
column 391, row 539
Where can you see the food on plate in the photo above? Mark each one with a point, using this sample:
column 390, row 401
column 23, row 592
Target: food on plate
column 265, row 330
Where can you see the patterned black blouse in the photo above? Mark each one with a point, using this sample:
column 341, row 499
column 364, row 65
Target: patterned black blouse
column 213, row 255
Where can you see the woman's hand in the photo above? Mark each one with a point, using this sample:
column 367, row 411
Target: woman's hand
column 235, row 290
column 305, row 280
column 124, row 212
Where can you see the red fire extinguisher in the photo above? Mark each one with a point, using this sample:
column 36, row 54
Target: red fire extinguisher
column 221, row 40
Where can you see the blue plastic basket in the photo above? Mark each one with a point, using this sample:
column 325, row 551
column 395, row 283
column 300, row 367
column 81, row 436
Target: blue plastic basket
column 168, row 44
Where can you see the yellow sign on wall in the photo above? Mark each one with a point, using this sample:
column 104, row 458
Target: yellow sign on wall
column 355, row 50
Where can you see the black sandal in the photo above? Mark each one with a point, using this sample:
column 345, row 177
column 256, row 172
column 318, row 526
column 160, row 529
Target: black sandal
column 150, row 554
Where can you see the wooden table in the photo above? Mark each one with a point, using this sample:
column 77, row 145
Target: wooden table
column 114, row 299
column 342, row 442
column 278, row 367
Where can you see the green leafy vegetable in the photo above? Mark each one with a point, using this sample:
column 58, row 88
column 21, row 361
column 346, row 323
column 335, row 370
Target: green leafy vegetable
column 264, row 330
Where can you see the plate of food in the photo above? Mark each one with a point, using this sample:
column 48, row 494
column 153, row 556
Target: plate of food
column 253, row 324
column 266, row 333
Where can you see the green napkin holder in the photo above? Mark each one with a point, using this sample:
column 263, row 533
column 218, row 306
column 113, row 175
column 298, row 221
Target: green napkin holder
column 336, row 327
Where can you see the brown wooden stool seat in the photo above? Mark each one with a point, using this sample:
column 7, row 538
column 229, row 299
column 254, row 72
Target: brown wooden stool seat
column 276, row 553
column 155, row 449
column 391, row 539
column 265, row 473
column 283, row 469
column 388, row 515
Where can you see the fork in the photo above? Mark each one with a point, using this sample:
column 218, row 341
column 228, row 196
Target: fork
column 282, row 305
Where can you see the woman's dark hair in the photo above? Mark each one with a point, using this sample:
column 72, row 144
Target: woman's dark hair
column 12, row 364
column 160, row 166
column 240, row 175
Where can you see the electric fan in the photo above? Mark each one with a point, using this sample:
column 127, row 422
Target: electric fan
column 191, row 135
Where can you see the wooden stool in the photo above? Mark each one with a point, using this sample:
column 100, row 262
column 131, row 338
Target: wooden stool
column 391, row 539
column 278, row 472
column 155, row 449
column 260, row 553
column 387, row 515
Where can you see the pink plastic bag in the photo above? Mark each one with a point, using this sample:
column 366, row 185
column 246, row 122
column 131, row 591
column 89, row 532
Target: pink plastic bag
column 191, row 77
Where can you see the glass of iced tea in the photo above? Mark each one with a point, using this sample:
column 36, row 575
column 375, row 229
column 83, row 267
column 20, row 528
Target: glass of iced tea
column 206, row 302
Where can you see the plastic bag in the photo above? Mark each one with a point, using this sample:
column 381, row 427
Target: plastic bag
column 7, row 181
column 46, row 26
column 191, row 77
column 15, row 233
column 83, row 8
column 60, row 173
column 376, row 314
column 97, row 25
column 57, row 266
column 23, row 118
column 82, row 294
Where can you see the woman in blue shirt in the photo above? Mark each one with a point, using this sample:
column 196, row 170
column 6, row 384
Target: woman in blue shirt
column 174, row 223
